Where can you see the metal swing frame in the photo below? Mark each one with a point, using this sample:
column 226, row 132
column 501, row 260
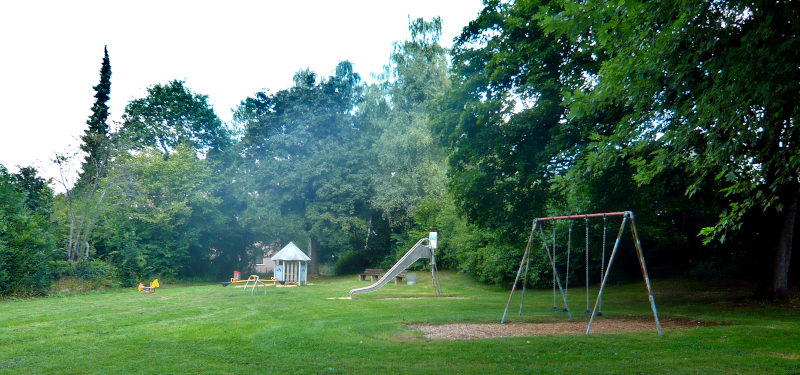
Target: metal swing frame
column 626, row 215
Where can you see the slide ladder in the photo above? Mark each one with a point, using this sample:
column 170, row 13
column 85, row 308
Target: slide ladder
column 420, row 250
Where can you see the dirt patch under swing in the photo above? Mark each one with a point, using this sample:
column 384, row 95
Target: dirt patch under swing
column 464, row 331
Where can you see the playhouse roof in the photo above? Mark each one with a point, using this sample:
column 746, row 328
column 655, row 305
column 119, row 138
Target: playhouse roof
column 290, row 252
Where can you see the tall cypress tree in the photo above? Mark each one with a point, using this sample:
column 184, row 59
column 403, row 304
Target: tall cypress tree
column 95, row 138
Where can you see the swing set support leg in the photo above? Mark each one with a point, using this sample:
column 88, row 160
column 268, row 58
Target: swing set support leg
column 605, row 276
column 524, row 282
column 587, row 312
column 521, row 262
column 555, row 272
column 644, row 273
column 640, row 255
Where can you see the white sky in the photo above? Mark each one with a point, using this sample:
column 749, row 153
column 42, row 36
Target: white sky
column 51, row 53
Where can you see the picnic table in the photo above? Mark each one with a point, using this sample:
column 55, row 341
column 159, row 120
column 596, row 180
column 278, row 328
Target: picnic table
column 373, row 273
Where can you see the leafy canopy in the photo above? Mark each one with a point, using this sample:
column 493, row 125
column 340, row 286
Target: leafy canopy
column 172, row 114
column 304, row 171
column 714, row 84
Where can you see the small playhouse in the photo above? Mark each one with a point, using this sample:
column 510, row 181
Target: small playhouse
column 291, row 265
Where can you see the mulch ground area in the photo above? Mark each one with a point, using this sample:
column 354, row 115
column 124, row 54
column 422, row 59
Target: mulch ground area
column 460, row 331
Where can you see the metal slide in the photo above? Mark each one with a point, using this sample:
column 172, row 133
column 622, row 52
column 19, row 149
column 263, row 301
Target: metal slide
column 420, row 250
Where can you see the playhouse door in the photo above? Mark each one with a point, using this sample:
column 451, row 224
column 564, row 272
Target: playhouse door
column 303, row 274
column 279, row 273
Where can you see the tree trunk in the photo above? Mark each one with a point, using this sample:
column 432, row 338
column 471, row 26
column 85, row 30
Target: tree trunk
column 369, row 229
column 775, row 283
column 313, row 268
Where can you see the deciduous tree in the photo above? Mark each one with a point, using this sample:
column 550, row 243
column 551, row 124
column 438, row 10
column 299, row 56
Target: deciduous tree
column 172, row 114
column 304, row 171
column 158, row 230
column 411, row 168
column 504, row 116
column 714, row 84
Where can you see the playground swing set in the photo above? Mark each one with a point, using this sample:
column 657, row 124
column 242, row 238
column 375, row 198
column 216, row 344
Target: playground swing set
column 551, row 257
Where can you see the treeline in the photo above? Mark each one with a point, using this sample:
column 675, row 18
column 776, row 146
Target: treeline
column 336, row 165
column 683, row 113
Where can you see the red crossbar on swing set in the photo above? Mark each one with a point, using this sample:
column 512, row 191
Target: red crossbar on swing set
column 585, row 216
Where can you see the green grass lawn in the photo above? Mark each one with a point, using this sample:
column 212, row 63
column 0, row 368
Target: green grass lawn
column 211, row 329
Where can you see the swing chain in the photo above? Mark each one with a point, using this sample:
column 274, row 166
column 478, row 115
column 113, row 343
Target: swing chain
column 569, row 251
column 554, row 262
column 603, row 262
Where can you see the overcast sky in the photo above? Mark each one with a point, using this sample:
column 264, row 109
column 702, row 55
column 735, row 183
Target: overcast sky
column 51, row 53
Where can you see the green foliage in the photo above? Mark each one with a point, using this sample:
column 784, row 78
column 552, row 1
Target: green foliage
column 410, row 169
column 38, row 195
column 130, row 261
column 160, row 230
column 83, row 275
column 171, row 115
column 710, row 89
column 25, row 237
column 156, row 211
column 708, row 82
column 481, row 253
column 72, row 284
column 61, row 268
column 550, row 107
column 93, row 269
column 350, row 262
column 571, row 107
column 83, row 203
column 503, row 117
column 512, row 145
column 306, row 166
column 435, row 215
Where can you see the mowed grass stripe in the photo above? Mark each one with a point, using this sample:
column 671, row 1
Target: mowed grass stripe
column 210, row 329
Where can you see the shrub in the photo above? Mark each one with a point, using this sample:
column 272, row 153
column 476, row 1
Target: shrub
column 75, row 284
column 350, row 262
column 326, row 269
column 61, row 269
column 82, row 276
column 23, row 272
column 25, row 233
column 94, row 269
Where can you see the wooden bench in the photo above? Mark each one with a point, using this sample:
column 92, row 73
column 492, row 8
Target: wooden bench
column 399, row 278
column 373, row 273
